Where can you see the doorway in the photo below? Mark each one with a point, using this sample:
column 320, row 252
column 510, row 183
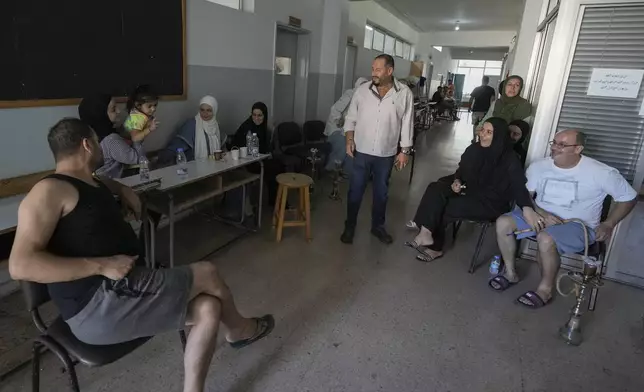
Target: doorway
column 290, row 78
column 349, row 67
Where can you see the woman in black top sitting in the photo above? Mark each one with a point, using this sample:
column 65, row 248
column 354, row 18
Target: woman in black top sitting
column 257, row 122
column 489, row 178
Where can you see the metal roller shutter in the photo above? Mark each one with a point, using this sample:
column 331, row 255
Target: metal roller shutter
column 609, row 37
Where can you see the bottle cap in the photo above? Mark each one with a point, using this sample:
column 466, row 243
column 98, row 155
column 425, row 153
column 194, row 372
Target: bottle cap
column 179, row 149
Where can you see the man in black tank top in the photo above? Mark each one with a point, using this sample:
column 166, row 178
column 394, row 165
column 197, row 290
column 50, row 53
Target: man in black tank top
column 71, row 236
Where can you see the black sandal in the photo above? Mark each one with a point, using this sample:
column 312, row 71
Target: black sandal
column 265, row 326
column 502, row 283
column 532, row 300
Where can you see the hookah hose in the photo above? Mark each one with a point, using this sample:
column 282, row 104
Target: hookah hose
column 560, row 278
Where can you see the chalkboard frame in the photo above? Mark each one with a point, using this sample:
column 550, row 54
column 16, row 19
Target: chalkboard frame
column 75, row 101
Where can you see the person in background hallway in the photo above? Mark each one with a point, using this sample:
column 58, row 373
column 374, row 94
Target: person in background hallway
column 257, row 122
column 480, row 101
column 451, row 105
column 489, row 178
column 519, row 131
column 511, row 106
column 568, row 185
column 438, row 95
column 380, row 118
column 334, row 125
column 100, row 112
column 450, row 87
column 85, row 255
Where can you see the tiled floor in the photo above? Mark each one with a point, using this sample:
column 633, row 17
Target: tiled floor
column 369, row 317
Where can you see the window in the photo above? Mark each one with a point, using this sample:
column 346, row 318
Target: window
column 242, row 5
column 474, row 70
column 493, row 64
column 377, row 39
column 399, row 48
column 283, row 65
column 368, row 36
column 390, row 42
column 471, row 63
column 406, row 51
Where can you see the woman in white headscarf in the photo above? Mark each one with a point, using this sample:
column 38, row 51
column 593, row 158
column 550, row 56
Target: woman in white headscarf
column 207, row 135
column 199, row 137
column 335, row 124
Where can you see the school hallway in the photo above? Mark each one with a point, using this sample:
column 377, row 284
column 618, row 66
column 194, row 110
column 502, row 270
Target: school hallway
column 369, row 317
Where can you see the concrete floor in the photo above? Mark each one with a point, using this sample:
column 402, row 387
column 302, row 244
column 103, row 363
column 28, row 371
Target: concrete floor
column 369, row 317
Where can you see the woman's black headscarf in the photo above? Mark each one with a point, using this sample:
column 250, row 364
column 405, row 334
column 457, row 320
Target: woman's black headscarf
column 261, row 130
column 518, row 145
column 479, row 164
column 93, row 111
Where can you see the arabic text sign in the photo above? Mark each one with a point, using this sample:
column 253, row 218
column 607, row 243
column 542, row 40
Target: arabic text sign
column 618, row 83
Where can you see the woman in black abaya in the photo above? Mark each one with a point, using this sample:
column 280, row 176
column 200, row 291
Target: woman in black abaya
column 489, row 178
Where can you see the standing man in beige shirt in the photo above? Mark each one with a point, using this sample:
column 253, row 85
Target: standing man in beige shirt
column 380, row 118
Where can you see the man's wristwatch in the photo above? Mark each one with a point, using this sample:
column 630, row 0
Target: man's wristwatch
column 406, row 150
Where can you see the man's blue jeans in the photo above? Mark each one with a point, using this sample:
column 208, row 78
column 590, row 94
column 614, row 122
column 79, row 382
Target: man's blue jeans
column 364, row 166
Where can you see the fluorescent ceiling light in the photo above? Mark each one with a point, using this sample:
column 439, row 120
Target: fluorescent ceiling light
column 457, row 27
column 439, row 48
column 369, row 27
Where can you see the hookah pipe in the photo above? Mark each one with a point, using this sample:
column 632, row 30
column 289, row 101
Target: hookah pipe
column 588, row 278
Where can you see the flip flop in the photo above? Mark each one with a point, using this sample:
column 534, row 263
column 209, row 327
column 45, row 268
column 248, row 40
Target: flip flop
column 426, row 257
column 423, row 256
column 411, row 225
column 532, row 300
column 502, row 283
column 414, row 245
column 265, row 326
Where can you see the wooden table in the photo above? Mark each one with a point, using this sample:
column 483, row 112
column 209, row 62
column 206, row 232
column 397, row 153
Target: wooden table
column 205, row 179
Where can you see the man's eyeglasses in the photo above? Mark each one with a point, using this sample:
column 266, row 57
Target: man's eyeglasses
column 561, row 146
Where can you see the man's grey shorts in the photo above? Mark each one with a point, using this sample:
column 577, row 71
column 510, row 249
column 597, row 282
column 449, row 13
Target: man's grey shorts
column 569, row 236
column 146, row 302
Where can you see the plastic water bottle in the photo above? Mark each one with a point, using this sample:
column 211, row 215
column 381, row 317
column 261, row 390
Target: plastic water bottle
column 495, row 265
column 144, row 168
column 255, row 144
column 182, row 163
column 249, row 138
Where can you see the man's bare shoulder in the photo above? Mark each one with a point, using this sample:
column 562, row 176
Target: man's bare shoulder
column 51, row 192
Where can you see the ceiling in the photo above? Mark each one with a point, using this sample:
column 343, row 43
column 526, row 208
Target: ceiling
column 441, row 15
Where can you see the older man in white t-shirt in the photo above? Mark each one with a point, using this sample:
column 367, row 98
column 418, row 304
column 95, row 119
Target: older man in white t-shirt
column 568, row 186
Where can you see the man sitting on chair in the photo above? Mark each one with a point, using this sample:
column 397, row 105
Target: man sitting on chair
column 72, row 237
column 568, row 185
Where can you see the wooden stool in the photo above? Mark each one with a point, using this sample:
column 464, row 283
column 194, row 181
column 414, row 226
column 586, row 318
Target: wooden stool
column 288, row 181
